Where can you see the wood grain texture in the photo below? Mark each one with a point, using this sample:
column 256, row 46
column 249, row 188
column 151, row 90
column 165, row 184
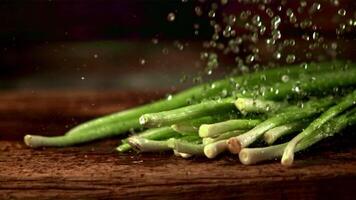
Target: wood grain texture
column 95, row 170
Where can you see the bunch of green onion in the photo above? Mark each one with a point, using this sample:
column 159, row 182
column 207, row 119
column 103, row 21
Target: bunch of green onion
column 283, row 110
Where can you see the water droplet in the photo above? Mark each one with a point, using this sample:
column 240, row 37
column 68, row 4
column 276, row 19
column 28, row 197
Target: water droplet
column 334, row 45
column 262, row 30
column 224, row 93
column 315, row 35
column 244, row 15
column 305, row 37
column 183, row 79
column 82, row 78
column 169, row 97
column 270, row 41
column 256, row 19
column 198, row 11
column 211, row 14
column 290, row 58
column 171, row 17
column 285, row 78
column 276, row 21
column 178, row 45
column 154, row 40
column 224, row 2
column 305, row 24
column 292, row 17
column 335, row 2
column 165, row 51
column 96, row 56
column 303, row 3
column 341, row 12
column 276, row 35
column 142, row 61
column 204, row 55
column 277, row 55
column 304, row 65
column 250, row 59
column 314, row 8
column 269, row 12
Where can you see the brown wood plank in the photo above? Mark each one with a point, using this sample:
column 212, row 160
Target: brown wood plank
column 95, row 170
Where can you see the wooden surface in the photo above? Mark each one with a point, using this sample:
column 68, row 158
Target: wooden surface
column 95, row 170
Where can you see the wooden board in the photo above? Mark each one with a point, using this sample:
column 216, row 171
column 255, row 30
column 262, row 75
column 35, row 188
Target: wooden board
column 95, row 170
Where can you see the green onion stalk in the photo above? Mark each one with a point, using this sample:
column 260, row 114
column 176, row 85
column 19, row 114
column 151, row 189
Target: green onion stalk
column 250, row 156
column 121, row 122
column 345, row 103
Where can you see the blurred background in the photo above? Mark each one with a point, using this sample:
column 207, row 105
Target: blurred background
column 160, row 44
column 63, row 62
column 93, row 44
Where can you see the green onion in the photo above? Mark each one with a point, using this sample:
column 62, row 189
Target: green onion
column 121, row 122
column 273, row 134
column 312, row 108
column 250, row 156
column 348, row 101
column 216, row 129
column 178, row 115
column 249, row 105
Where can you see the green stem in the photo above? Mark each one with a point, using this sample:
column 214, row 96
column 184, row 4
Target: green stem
column 145, row 145
column 123, row 147
column 121, row 122
column 192, row 126
column 187, row 113
column 347, row 102
column 216, row 129
column 214, row 149
column 273, row 134
column 310, row 84
column 187, row 147
column 224, row 136
column 162, row 133
column 310, row 109
column 250, row 105
column 250, row 156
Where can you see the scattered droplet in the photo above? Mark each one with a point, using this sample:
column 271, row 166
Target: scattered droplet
column 335, row 2
column 142, row 61
column 277, row 55
column 314, row 8
column 211, row 14
column 290, row 58
column 341, row 12
column 276, row 21
column 154, row 40
column 270, row 12
column 198, row 11
column 169, row 97
column 165, row 51
column 285, row 78
column 224, row 2
column 171, row 17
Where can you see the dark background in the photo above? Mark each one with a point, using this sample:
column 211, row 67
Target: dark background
column 92, row 43
column 113, row 44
